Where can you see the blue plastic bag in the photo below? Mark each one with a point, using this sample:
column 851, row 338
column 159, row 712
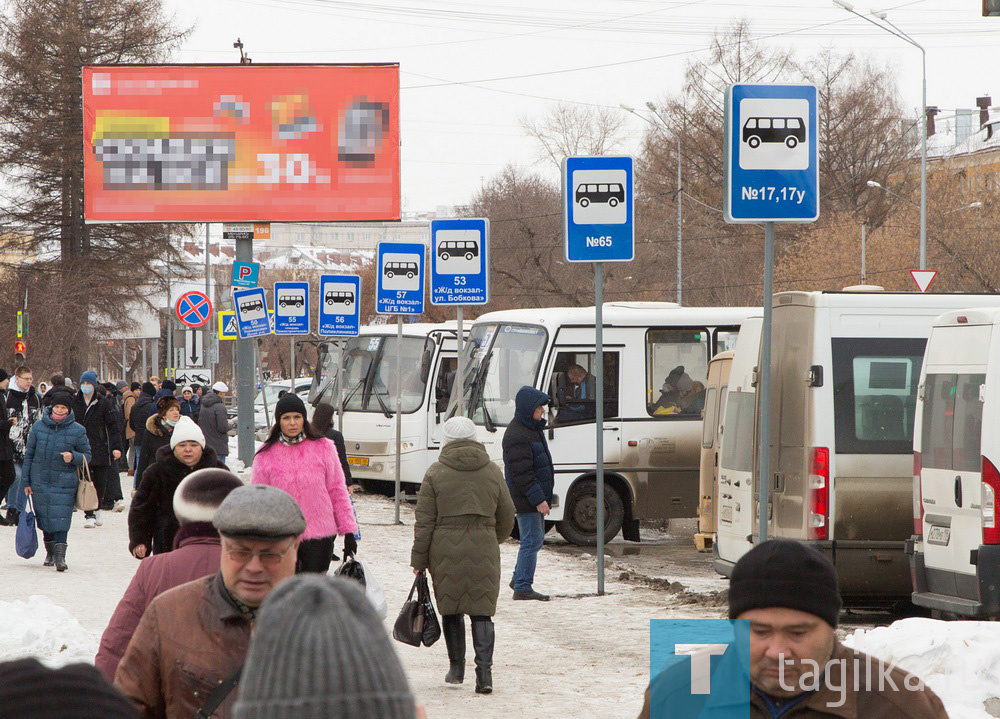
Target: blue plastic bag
column 26, row 539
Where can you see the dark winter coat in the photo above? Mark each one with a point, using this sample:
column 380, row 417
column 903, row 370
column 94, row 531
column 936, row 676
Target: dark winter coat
column 859, row 687
column 463, row 513
column 6, row 446
column 156, row 435
column 100, row 417
column 195, row 555
column 527, row 463
column 27, row 407
column 214, row 423
column 53, row 482
column 190, row 408
column 141, row 410
column 190, row 639
column 338, row 440
column 151, row 519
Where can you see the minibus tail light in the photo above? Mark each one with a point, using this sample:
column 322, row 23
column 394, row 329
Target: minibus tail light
column 918, row 497
column 991, row 489
column 819, row 494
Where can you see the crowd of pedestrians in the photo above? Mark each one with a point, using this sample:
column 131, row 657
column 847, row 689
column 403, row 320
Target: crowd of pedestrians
column 229, row 613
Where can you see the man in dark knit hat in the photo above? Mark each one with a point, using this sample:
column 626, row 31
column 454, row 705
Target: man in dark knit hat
column 785, row 602
column 195, row 554
column 33, row 691
column 192, row 640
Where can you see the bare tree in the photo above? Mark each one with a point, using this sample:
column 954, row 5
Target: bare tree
column 44, row 44
column 568, row 130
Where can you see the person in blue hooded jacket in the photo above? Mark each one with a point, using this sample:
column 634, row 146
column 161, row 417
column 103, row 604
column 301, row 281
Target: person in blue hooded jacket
column 530, row 479
column 57, row 445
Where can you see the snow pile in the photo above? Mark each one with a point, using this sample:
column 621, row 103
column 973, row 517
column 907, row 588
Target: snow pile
column 38, row 628
column 958, row 660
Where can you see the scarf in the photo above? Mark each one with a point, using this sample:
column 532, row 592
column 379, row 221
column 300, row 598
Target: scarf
column 300, row 437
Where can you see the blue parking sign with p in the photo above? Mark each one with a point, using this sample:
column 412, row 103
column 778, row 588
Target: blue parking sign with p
column 598, row 214
column 338, row 305
column 772, row 153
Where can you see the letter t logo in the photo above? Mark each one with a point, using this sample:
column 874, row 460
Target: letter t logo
column 701, row 664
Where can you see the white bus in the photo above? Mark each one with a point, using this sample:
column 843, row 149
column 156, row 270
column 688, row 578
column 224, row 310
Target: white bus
column 368, row 387
column 652, row 434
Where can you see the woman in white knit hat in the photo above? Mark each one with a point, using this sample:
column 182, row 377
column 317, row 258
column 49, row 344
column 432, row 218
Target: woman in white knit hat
column 152, row 523
column 463, row 513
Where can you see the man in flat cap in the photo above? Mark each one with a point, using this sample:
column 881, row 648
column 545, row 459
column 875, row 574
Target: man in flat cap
column 192, row 640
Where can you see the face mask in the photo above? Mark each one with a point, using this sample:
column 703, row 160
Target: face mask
column 59, row 412
column 87, row 388
column 170, row 422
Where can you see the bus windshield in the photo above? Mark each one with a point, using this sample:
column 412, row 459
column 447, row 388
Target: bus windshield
column 501, row 359
column 370, row 374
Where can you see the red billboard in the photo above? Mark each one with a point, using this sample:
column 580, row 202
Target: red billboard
column 239, row 143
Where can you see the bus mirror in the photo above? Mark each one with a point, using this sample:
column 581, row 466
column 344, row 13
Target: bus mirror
column 425, row 366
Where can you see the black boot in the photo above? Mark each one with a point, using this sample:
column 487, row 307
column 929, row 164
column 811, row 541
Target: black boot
column 12, row 517
column 454, row 638
column 49, row 559
column 483, row 638
column 60, row 556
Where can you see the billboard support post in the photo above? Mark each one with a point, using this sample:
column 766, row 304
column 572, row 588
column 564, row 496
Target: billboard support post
column 244, row 376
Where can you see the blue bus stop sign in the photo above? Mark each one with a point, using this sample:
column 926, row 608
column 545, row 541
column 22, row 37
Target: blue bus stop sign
column 772, row 154
column 400, row 284
column 291, row 308
column 598, row 194
column 460, row 268
column 339, row 296
column 251, row 313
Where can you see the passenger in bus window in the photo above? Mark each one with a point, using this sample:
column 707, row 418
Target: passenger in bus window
column 676, row 386
column 693, row 402
column 577, row 396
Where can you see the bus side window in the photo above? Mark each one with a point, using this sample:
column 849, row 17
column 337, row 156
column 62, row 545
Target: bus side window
column 573, row 387
column 676, row 371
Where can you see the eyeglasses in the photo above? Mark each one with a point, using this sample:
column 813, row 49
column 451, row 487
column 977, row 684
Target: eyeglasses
column 268, row 559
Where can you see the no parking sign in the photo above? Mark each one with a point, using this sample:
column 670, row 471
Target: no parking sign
column 194, row 308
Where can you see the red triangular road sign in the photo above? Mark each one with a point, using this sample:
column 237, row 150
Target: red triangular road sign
column 923, row 278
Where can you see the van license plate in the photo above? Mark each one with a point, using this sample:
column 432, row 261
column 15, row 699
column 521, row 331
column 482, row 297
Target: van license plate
column 939, row 535
column 358, row 461
column 726, row 514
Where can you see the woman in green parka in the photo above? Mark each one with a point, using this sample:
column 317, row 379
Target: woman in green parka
column 463, row 513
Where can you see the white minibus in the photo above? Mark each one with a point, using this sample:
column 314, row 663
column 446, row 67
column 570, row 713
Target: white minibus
column 655, row 364
column 363, row 371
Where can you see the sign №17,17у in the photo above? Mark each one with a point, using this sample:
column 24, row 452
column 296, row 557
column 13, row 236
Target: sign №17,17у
column 772, row 153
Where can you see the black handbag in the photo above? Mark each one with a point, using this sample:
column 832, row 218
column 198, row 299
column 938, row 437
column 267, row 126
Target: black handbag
column 409, row 626
column 432, row 627
column 352, row 568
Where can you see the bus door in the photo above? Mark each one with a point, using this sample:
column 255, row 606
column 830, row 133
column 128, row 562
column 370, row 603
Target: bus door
column 571, row 416
column 440, row 392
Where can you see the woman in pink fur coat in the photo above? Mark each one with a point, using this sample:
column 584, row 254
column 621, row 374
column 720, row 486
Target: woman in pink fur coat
column 302, row 462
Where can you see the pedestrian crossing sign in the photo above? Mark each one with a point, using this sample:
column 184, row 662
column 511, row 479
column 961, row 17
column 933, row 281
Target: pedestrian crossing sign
column 227, row 325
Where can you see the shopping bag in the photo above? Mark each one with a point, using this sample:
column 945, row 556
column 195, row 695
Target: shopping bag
column 358, row 570
column 409, row 626
column 26, row 538
column 432, row 627
column 86, row 493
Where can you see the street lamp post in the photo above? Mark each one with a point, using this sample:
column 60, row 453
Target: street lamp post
column 883, row 16
column 680, row 208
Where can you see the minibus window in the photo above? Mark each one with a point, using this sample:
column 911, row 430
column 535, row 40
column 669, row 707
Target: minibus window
column 676, row 371
column 711, row 414
column 512, row 362
column 737, row 433
column 968, row 424
column 875, row 393
column 384, row 376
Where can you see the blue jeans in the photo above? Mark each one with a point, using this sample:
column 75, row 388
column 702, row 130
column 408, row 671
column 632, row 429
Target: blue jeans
column 16, row 499
column 531, row 527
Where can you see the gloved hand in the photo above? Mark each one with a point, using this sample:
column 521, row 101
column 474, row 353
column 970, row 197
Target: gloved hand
column 350, row 545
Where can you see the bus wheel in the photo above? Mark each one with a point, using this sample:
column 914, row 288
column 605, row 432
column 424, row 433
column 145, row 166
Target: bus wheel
column 791, row 141
column 613, row 202
column 579, row 525
column 390, row 275
column 445, row 257
column 469, row 256
column 584, row 202
column 754, row 141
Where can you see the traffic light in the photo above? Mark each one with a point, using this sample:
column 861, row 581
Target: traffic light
column 19, row 347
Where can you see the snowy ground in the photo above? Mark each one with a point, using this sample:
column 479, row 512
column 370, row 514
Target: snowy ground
column 578, row 655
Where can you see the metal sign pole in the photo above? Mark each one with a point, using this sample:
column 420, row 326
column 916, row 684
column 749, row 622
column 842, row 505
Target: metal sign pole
column 460, row 368
column 599, row 415
column 764, row 385
column 292, row 378
column 244, row 376
column 399, row 407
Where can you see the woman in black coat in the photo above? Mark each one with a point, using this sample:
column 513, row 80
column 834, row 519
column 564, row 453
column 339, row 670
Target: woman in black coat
column 159, row 427
column 151, row 520
column 99, row 415
column 322, row 422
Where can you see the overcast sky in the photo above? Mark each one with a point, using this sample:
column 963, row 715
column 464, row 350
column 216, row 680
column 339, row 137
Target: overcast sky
column 469, row 70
